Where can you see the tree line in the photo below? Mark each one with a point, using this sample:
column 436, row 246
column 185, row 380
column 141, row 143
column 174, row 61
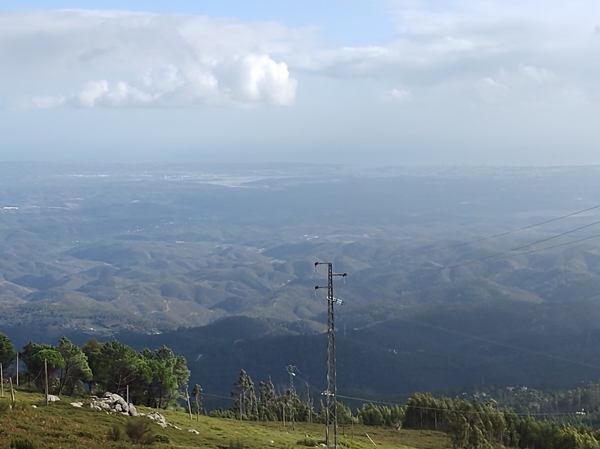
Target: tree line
column 287, row 405
column 152, row 378
column 481, row 425
column 470, row 424
column 157, row 378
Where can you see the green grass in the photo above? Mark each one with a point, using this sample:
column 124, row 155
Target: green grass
column 60, row 425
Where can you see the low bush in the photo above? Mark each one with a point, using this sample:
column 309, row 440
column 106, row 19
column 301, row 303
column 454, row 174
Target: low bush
column 23, row 443
column 159, row 438
column 114, row 433
column 220, row 413
column 237, row 444
column 138, row 431
column 309, row 442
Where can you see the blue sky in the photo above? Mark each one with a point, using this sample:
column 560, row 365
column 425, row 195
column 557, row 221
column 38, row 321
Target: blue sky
column 379, row 82
column 350, row 21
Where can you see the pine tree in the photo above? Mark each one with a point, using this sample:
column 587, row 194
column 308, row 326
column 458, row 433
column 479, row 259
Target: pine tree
column 76, row 366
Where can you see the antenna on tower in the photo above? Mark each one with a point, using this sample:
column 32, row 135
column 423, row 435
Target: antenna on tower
column 331, row 431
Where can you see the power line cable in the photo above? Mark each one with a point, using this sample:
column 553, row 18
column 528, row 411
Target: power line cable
column 36, row 377
column 372, row 401
column 556, row 246
column 517, row 248
column 218, row 396
column 482, row 239
column 506, row 254
column 496, row 411
column 506, row 345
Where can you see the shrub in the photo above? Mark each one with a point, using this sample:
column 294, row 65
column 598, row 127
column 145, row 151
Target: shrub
column 114, row 433
column 351, row 444
column 138, row 431
column 307, row 442
column 159, row 438
column 23, row 443
column 220, row 413
column 237, row 444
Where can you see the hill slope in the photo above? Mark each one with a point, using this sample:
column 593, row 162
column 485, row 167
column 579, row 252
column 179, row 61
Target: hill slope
column 62, row 425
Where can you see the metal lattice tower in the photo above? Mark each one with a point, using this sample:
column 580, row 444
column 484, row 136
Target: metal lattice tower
column 331, row 431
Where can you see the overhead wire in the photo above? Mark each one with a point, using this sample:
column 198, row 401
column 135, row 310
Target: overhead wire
column 506, row 345
column 499, row 412
column 392, row 403
column 218, row 396
column 483, row 239
column 517, row 248
column 503, row 254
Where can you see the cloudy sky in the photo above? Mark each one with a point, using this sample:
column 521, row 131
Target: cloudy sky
column 358, row 81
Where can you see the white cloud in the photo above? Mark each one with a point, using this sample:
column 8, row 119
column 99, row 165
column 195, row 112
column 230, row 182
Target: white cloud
column 48, row 101
column 464, row 42
column 534, row 51
column 396, row 95
column 98, row 93
column 491, row 91
column 537, row 75
column 92, row 92
column 37, row 102
column 130, row 59
column 526, row 84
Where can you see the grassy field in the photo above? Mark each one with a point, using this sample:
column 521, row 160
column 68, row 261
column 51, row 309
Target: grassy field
column 60, row 425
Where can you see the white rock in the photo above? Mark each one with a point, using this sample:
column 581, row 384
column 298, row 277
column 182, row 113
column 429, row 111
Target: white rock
column 193, row 431
column 52, row 398
column 160, row 419
column 77, row 404
column 132, row 410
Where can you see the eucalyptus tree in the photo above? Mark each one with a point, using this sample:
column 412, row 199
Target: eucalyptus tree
column 245, row 402
column 197, row 394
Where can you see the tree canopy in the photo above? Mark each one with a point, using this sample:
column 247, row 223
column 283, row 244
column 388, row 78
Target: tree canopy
column 7, row 351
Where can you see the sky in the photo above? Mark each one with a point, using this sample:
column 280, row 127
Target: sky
column 377, row 82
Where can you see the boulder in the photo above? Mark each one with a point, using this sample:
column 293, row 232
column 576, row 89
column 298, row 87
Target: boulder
column 100, row 405
column 132, row 410
column 158, row 418
column 114, row 403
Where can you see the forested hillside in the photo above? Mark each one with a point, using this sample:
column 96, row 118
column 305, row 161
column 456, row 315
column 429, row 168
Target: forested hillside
column 456, row 276
column 159, row 380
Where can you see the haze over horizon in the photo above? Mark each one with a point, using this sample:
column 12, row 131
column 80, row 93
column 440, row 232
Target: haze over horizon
column 388, row 82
